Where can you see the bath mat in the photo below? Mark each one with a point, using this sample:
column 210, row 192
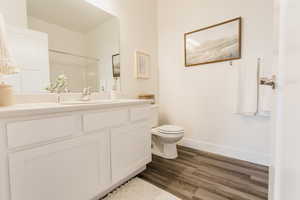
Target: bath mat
column 138, row 189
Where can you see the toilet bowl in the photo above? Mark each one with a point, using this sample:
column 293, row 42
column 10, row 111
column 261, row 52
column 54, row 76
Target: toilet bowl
column 164, row 140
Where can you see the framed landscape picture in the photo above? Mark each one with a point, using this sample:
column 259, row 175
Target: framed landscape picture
column 217, row 43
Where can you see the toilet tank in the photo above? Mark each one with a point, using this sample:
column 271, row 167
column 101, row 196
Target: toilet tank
column 154, row 113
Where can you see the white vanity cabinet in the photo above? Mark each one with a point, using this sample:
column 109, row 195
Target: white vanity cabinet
column 130, row 149
column 75, row 169
column 78, row 155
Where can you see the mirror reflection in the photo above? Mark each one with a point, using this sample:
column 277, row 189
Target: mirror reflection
column 84, row 45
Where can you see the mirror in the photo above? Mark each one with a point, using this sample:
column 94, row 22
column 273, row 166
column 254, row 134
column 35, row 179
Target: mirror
column 83, row 44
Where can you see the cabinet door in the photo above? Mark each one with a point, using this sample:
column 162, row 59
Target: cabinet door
column 78, row 169
column 130, row 149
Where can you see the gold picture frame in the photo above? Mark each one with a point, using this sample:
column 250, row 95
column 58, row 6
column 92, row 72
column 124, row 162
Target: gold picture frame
column 217, row 43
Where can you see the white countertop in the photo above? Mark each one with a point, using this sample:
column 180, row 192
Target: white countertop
column 30, row 109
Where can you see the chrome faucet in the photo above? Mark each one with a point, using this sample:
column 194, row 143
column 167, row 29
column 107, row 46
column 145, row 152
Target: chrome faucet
column 86, row 94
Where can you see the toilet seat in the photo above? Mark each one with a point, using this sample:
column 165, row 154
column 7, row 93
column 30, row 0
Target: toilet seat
column 167, row 135
column 170, row 129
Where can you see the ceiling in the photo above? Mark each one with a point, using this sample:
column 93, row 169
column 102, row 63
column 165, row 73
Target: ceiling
column 76, row 15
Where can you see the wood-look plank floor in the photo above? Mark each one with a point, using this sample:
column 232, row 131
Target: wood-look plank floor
column 197, row 175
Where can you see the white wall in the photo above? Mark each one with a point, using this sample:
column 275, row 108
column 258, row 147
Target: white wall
column 30, row 51
column 65, row 40
column 203, row 98
column 138, row 21
column 287, row 162
column 103, row 42
column 60, row 38
column 14, row 12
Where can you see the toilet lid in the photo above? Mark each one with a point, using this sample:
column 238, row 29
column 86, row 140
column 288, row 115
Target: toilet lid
column 170, row 129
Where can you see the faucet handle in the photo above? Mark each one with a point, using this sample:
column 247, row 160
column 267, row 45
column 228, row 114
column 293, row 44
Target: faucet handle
column 87, row 91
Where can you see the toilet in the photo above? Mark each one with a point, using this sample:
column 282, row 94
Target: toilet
column 165, row 137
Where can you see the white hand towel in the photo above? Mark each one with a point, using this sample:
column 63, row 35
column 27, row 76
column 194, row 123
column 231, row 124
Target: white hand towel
column 247, row 88
column 253, row 99
column 266, row 94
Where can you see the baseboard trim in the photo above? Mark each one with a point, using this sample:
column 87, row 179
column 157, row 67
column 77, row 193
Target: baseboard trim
column 252, row 157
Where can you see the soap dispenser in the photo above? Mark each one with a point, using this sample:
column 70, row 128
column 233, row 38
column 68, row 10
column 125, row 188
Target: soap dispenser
column 113, row 92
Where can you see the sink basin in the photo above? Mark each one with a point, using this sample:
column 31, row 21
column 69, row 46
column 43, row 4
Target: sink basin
column 88, row 102
column 99, row 101
column 104, row 101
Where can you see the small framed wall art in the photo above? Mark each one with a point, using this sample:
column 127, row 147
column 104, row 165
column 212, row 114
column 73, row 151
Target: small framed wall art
column 116, row 66
column 217, row 43
column 142, row 65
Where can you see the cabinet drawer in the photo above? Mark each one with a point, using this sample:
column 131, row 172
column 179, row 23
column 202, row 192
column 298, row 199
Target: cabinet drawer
column 140, row 113
column 101, row 120
column 35, row 131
